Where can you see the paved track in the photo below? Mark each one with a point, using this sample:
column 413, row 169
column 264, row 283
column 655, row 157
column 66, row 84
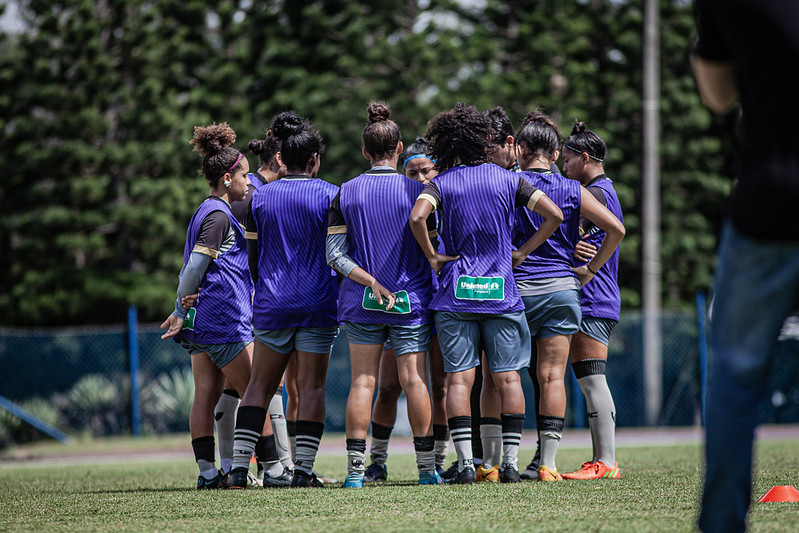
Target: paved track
column 334, row 444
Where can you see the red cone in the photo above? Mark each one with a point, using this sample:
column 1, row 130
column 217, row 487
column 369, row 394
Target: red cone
column 781, row 493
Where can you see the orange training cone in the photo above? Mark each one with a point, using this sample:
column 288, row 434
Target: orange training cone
column 781, row 493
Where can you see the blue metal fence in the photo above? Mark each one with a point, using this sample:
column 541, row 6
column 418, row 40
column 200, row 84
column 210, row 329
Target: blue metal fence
column 78, row 379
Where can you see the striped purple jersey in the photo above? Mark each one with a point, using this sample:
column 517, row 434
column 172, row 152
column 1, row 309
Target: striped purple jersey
column 600, row 298
column 373, row 210
column 476, row 206
column 554, row 258
column 295, row 287
column 224, row 308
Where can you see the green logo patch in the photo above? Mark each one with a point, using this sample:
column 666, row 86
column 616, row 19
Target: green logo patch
column 479, row 288
column 188, row 322
column 402, row 306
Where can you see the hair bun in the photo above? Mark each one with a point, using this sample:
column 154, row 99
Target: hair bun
column 286, row 124
column 378, row 112
column 579, row 127
column 257, row 146
column 210, row 140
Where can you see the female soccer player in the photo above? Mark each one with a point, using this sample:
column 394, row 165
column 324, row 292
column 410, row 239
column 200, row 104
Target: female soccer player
column 549, row 286
column 216, row 331
column 294, row 305
column 583, row 156
column 418, row 166
column 477, row 300
column 386, row 291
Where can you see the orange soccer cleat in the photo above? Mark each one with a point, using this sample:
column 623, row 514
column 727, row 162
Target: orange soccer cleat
column 486, row 474
column 545, row 474
column 595, row 470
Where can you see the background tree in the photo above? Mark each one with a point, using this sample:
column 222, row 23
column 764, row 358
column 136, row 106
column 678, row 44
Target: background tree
column 98, row 100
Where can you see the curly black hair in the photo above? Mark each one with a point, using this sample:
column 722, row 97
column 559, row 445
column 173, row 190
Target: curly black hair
column 460, row 135
column 501, row 124
column 213, row 144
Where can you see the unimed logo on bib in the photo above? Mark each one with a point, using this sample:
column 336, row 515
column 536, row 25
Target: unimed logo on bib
column 402, row 305
column 479, row 288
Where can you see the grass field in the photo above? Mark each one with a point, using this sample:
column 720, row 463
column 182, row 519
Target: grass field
column 658, row 492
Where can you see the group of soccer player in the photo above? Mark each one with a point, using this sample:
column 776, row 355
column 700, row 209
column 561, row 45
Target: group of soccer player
column 478, row 258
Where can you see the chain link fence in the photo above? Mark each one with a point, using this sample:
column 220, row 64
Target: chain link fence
column 78, row 379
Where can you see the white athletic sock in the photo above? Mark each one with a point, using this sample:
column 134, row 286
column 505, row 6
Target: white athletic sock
column 225, row 418
column 378, row 450
column 356, row 456
column 249, row 424
column 441, row 436
column 425, row 453
column 491, row 437
column 601, row 417
column 280, row 429
column 460, row 427
column 309, row 435
column 550, row 430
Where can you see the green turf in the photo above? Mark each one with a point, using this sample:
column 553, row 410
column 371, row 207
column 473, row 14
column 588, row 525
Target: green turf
column 658, row 492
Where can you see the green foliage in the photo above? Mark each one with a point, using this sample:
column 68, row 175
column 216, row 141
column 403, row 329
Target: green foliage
column 96, row 404
column 98, row 100
column 166, row 403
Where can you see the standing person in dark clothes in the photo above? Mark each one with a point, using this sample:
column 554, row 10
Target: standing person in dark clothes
column 748, row 50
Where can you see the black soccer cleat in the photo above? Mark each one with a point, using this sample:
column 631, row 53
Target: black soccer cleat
column 303, row 479
column 375, row 472
column 209, row 484
column 237, row 479
column 509, row 474
column 464, row 477
column 450, row 472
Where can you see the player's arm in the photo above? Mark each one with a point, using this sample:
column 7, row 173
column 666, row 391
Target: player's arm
column 711, row 62
column 213, row 230
column 419, row 221
column 600, row 216
column 337, row 254
column 716, row 83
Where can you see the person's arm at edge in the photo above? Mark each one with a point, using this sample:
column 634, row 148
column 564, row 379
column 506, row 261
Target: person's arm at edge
column 614, row 230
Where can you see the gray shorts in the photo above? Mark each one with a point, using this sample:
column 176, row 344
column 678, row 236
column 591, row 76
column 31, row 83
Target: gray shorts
column 554, row 313
column 505, row 339
column 404, row 339
column 285, row 341
column 598, row 329
column 220, row 354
